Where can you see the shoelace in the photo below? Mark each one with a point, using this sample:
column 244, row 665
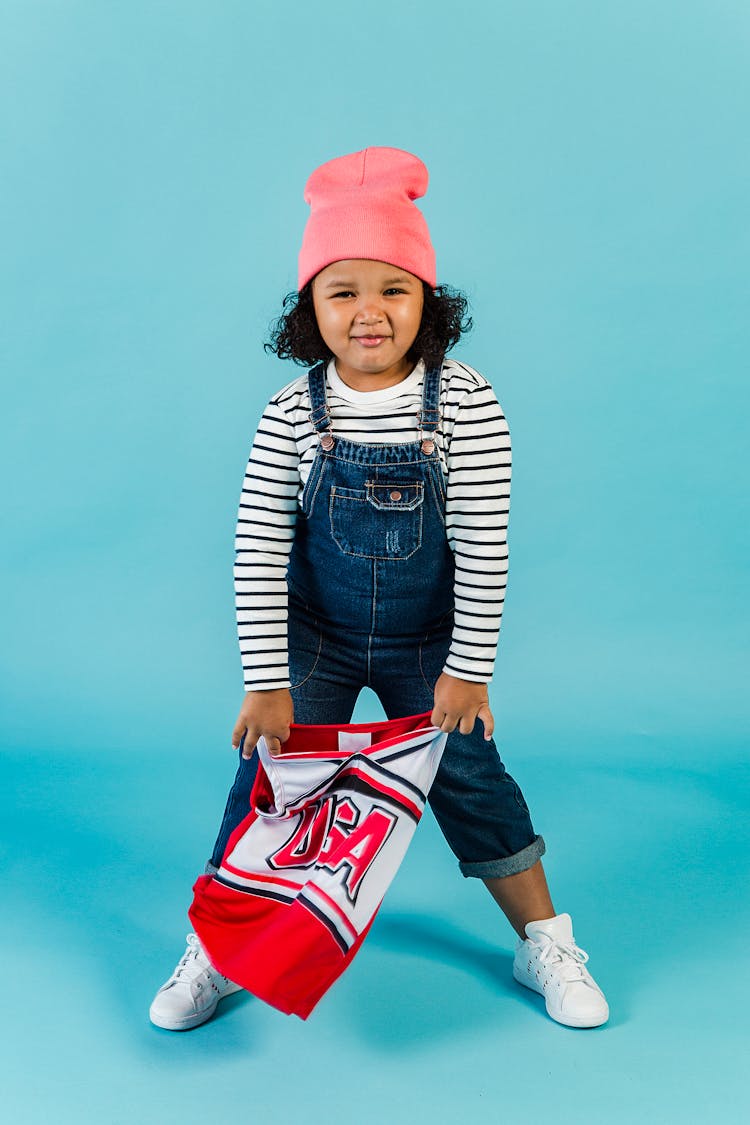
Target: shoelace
column 567, row 953
column 190, row 965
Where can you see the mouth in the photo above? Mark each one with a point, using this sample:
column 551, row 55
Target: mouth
column 370, row 341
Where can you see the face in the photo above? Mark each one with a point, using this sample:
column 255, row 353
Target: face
column 368, row 314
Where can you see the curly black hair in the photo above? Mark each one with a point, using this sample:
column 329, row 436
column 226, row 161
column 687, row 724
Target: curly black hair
column 295, row 334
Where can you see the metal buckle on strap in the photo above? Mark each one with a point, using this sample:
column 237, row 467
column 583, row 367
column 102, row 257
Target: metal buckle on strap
column 326, row 438
column 319, row 414
column 427, row 420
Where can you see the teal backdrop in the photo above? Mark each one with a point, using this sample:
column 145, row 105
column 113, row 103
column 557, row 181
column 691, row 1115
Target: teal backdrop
column 589, row 190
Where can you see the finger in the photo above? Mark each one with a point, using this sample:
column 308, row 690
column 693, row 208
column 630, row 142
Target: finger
column 249, row 744
column 239, row 729
column 274, row 746
column 437, row 716
column 449, row 723
column 488, row 722
column 466, row 725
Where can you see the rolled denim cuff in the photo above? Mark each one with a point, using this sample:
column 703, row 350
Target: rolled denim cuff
column 509, row 865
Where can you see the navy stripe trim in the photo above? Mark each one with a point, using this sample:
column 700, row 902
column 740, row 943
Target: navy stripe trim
column 326, row 921
column 278, row 897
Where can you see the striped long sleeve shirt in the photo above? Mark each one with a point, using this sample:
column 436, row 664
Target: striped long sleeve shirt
column 473, row 441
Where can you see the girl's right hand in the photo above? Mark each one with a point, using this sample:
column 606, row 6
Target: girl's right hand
column 267, row 713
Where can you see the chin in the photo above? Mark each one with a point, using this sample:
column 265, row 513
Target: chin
column 376, row 358
column 369, row 363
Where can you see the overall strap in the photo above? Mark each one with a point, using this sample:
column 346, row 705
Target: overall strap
column 429, row 416
column 319, row 415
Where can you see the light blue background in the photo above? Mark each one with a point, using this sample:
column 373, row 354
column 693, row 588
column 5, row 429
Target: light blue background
column 589, row 190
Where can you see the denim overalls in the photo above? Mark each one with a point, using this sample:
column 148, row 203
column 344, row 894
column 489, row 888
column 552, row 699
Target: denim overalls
column 370, row 581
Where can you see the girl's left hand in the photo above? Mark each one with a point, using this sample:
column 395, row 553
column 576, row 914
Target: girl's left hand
column 459, row 703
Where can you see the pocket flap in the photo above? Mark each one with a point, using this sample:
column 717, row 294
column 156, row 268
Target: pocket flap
column 396, row 495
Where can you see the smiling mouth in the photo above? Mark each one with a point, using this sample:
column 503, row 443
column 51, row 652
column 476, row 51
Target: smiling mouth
column 370, row 341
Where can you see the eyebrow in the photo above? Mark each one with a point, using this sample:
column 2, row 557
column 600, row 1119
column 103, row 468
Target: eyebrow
column 346, row 284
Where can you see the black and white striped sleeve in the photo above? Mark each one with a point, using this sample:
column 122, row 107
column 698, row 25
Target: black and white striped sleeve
column 263, row 542
column 477, row 512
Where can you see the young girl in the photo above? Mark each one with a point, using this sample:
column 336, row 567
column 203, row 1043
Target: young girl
column 371, row 551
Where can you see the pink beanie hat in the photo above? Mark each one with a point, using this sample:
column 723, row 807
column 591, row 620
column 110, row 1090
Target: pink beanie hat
column 361, row 207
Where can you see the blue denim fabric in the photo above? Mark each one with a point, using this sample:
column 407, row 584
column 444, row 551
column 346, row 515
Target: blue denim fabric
column 371, row 604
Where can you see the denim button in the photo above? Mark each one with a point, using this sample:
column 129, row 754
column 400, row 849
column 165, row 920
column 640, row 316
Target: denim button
column 395, row 495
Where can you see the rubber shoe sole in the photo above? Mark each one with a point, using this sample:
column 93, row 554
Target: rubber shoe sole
column 195, row 1019
column 560, row 1017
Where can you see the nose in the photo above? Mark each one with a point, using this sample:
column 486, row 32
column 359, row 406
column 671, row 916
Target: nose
column 368, row 311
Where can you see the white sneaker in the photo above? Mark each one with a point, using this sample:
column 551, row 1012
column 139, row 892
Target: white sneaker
column 192, row 992
column 551, row 963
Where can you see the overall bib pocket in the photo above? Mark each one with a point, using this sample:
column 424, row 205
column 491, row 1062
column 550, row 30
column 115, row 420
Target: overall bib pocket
column 383, row 520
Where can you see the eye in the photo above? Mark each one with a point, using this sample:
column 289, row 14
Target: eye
column 343, row 293
column 395, row 289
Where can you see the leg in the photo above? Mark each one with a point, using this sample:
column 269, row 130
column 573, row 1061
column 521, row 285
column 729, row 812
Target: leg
column 326, row 686
column 523, row 897
column 324, row 690
column 478, row 805
column 486, row 821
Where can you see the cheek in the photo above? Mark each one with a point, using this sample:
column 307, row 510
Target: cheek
column 329, row 324
column 411, row 320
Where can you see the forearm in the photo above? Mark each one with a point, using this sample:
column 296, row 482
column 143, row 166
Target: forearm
column 477, row 512
column 479, row 594
column 261, row 601
column 263, row 541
